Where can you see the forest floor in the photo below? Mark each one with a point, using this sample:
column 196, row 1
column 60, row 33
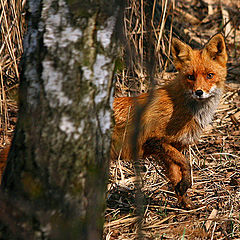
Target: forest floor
column 215, row 167
column 216, row 180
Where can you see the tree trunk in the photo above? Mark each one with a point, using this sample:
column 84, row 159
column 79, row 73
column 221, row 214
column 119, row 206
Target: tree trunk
column 57, row 167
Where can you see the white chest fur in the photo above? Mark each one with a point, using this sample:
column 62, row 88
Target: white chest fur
column 202, row 112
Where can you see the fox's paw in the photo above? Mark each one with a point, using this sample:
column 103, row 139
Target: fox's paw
column 185, row 202
column 183, row 186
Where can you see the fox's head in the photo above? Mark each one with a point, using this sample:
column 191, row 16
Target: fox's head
column 201, row 72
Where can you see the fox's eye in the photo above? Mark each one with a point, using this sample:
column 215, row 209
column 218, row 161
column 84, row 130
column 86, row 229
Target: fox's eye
column 210, row 75
column 191, row 77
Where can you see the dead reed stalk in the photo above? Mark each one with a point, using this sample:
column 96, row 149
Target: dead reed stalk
column 11, row 48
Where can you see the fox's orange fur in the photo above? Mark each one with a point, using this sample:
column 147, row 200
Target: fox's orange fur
column 177, row 112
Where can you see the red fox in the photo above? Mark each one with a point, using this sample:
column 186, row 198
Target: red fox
column 3, row 159
column 177, row 113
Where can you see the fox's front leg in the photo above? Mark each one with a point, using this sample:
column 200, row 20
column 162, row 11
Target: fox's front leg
column 175, row 164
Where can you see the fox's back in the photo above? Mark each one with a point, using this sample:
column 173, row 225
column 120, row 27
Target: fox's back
column 168, row 116
column 153, row 120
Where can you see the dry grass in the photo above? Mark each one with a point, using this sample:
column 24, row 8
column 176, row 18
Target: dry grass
column 215, row 160
column 12, row 29
column 150, row 26
column 216, row 180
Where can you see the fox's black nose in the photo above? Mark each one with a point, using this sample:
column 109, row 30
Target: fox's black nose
column 199, row 93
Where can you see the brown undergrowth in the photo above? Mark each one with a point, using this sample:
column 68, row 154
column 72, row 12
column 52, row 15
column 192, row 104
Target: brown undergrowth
column 215, row 159
column 216, row 180
column 12, row 29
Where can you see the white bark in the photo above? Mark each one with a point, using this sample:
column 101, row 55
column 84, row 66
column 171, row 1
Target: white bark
column 58, row 162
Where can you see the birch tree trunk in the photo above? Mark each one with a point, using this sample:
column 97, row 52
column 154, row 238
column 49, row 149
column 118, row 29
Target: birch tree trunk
column 57, row 168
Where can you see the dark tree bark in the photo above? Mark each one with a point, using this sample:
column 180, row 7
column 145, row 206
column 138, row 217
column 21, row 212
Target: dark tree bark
column 57, row 167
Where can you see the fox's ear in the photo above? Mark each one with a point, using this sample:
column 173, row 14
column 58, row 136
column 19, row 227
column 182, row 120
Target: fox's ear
column 181, row 52
column 216, row 49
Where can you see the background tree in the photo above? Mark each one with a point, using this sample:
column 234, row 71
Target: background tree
column 56, row 173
